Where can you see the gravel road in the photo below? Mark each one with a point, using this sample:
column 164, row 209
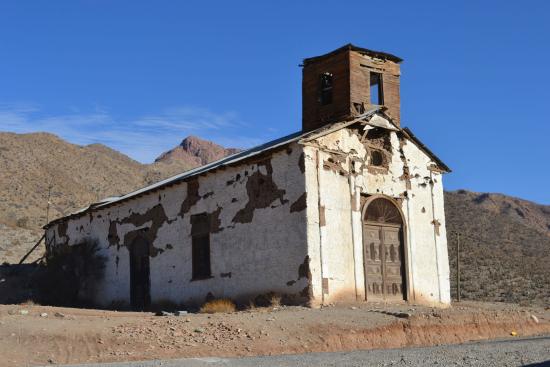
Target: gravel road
column 510, row 352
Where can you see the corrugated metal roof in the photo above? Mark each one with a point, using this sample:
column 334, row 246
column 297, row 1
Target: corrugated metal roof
column 226, row 161
column 235, row 159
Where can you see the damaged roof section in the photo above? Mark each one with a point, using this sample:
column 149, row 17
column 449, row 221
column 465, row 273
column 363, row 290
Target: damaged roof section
column 350, row 47
column 241, row 157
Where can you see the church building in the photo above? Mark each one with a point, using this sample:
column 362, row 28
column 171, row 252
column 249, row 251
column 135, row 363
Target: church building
column 349, row 208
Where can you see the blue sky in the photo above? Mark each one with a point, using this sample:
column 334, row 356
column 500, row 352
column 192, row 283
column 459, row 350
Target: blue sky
column 141, row 75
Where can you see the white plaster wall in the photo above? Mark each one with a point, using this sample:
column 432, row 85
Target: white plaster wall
column 337, row 257
column 341, row 237
column 313, row 224
column 265, row 255
column 262, row 256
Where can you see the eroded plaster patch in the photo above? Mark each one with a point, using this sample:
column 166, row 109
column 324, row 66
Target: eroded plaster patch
column 300, row 204
column 62, row 230
column 192, row 197
column 302, row 163
column 322, row 220
column 303, row 270
column 336, row 163
column 156, row 216
column 436, row 225
column 262, row 191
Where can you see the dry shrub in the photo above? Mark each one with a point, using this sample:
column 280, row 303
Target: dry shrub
column 270, row 299
column 29, row 302
column 218, row 305
column 275, row 300
column 251, row 305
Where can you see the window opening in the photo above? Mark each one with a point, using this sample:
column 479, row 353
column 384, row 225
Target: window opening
column 326, row 89
column 376, row 95
column 376, row 158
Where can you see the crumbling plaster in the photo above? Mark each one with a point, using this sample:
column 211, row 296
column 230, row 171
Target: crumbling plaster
column 289, row 222
column 261, row 243
column 334, row 217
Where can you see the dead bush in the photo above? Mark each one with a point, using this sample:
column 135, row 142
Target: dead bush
column 29, row 302
column 250, row 306
column 270, row 299
column 218, row 305
column 275, row 300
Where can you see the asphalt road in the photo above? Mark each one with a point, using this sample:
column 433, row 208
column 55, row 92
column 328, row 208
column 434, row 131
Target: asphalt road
column 510, row 352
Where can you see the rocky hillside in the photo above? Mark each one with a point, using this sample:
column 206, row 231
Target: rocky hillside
column 505, row 240
column 505, row 247
column 78, row 175
column 195, row 152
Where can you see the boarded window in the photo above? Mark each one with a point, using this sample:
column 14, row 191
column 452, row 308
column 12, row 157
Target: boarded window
column 200, row 233
column 376, row 92
column 326, row 89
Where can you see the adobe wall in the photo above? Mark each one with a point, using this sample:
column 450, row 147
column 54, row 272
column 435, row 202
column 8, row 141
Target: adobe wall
column 257, row 235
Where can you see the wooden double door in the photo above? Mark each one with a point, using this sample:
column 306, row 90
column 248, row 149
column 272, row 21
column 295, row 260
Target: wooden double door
column 384, row 262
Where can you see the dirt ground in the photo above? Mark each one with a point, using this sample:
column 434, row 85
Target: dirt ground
column 38, row 335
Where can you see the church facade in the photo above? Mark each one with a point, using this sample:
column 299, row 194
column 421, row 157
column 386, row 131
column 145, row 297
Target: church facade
column 348, row 208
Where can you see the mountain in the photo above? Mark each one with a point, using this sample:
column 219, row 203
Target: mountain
column 505, row 241
column 196, row 152
column 78, row 175
column 505, row 247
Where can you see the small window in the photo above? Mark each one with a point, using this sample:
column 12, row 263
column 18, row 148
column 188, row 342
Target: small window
column 376, row 92
column 200, row 233
column 376, row 158
column 326, row 89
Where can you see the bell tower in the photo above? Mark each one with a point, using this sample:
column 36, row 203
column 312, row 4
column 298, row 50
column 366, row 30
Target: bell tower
column 346, row 82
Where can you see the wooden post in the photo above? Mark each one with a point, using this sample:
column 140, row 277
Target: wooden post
column 458, row 266
column 32, row 249
column 48, row 204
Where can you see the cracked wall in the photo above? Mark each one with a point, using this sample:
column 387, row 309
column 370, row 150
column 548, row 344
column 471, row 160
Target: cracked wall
column 269, row 214
column 335, row 191
column 257, row 233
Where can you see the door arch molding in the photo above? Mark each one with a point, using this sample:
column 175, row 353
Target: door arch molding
column 373, row 199
column 395, row 203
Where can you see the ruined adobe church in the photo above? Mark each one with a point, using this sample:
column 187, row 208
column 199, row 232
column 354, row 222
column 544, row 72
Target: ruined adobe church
column 348, row 208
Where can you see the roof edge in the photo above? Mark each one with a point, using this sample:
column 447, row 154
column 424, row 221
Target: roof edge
column 351, row 47
column 422, row 146
column 242, row 157
column 230, row 160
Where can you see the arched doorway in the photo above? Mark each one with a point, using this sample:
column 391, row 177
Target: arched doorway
column 383, row 250
column 140, row 289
